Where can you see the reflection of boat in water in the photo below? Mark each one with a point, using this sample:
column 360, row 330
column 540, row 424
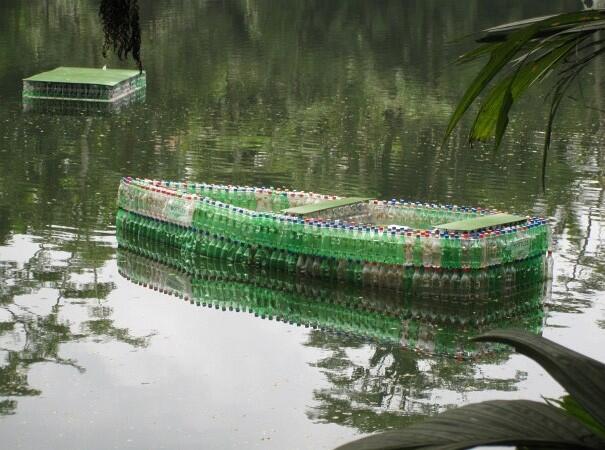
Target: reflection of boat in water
column 358, row 239
column 81, row 107
column 418, row 316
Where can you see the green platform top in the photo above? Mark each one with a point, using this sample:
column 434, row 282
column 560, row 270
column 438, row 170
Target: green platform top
column 313, row 208
column 478, row 223
column 84, row 75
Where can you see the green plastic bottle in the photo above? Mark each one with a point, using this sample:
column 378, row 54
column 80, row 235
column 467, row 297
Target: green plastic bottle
column 291, row 260
column 456, row 251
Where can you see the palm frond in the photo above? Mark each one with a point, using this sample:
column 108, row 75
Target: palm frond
column 521, row 55
column 581, row 376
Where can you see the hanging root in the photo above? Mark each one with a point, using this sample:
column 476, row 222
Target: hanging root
column 121, row 29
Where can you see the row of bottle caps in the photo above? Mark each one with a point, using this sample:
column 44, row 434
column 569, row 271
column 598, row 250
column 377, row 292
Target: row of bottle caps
column 296, row 198
column 195, row 191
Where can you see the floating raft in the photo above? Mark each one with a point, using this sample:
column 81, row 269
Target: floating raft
column 418, row 317
column 81, row 84
column 325, row 236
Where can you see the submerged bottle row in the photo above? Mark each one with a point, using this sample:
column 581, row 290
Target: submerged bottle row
column 437, row 322
column 261, row 226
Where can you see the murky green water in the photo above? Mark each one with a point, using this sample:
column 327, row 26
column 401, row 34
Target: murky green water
column 345, row 97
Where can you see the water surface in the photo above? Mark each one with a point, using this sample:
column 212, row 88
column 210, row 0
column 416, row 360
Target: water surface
column 344, row 97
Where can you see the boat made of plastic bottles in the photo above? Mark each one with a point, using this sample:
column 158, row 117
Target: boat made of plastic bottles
column 356, row 239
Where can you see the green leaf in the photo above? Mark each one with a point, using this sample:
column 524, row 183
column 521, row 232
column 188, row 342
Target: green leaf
column 526, row 38
column 561, row 86
column 581, row 376
column 498, row 102
column 595, row 25
column 557, row 97
column 517, row 422
column 501, row 32
column 502, row 120
column 480, row 51
column 571, row 407
column 500, row 56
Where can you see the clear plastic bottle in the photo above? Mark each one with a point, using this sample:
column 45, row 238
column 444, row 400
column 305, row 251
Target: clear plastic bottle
column 476, row 251
column 418, row 250
column 395, row 277
column 309, row 261
column 427, row 250
column 465, row 251
column 426, row 281
column 446, row 258
column 455, row 286
column 436, row 282
column 549, row 266
column 409, row 249
column 436, row 250
column 465, row 285
column 484, row 250
column 480, row 286
column 316, row 266
column 416, row 282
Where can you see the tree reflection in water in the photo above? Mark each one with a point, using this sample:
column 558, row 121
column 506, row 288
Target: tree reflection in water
column 377, row 387
column 29, row 334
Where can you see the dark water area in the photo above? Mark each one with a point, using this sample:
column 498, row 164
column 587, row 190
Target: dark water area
column 342, row 97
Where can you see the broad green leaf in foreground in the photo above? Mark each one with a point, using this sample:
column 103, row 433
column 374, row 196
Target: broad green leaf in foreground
column 581, row 376
column 517, row 422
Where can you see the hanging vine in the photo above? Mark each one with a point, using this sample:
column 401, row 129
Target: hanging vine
column 121, row 29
